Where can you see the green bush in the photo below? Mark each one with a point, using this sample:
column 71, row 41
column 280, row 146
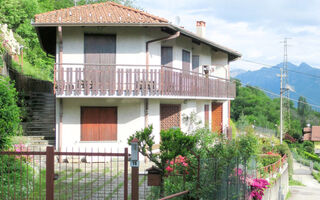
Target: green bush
column 9, row 112
column 248, row 145
column 316, row 176
column 308, row 146
column 312, row 156
column 266, row 160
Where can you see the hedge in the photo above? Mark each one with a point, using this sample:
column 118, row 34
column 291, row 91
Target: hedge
column 312, row 156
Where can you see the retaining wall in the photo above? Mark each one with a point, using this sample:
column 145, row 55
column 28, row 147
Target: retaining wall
column 281, row 184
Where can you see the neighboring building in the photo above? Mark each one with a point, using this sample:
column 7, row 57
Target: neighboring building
column 313, row 134
column 119, row 69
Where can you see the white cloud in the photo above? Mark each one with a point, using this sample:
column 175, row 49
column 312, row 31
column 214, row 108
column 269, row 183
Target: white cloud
column 254, row 28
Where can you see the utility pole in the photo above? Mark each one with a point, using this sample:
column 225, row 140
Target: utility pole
column 281, row 121
column 286, row 80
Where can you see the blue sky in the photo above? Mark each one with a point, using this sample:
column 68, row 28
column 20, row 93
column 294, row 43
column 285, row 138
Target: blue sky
column 255, row 28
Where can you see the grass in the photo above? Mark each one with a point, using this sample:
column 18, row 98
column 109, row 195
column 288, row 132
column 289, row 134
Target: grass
column 19, row 180
column 293, row 182
column 316, row 176
column 288, row 195
column 33, row 71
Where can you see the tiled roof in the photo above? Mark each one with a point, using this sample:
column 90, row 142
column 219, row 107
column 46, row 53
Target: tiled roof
column 107, row 12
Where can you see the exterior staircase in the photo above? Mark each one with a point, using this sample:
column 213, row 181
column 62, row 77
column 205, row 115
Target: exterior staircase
column 39, row 122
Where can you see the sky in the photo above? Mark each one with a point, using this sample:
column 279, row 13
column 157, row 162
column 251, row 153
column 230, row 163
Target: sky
column 254, row 28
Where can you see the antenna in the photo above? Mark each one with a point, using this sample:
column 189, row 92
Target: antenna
column 177, row 20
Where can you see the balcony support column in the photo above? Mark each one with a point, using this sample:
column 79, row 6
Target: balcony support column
column 60, row 50
column 146, row 112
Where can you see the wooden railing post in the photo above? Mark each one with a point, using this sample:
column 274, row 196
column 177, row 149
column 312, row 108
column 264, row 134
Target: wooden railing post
column 50, row 173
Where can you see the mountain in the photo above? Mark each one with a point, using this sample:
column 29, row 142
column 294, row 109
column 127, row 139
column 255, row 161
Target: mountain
column 236, row 72
column 303, row 84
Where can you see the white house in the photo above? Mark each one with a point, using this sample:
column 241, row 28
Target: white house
column 119, row 69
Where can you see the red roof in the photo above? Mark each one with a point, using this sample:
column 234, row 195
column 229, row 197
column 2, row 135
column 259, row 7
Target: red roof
column 107, row 12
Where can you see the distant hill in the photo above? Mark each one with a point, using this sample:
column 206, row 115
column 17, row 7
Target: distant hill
column 236, row 72
column 266, row 78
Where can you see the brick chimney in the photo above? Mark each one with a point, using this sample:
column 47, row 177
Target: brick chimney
column 201, row 28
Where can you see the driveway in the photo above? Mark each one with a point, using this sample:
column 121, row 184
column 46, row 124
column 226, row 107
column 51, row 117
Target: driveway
column 311, row 190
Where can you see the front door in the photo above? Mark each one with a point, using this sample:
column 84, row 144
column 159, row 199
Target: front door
column 216, row 116
column 169, row 116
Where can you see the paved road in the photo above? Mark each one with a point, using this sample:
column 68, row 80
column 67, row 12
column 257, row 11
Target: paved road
column 312, row 189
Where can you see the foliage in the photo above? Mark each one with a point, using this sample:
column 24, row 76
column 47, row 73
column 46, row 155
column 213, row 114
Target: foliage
column 256, row 106
column 253, row 107
column 289, row 138
column 173, row 143
column 248, row 145
column 308, row 146
column 303, row 109
column 18, row 14
column 9, row 112
column 268, row 159
column 313, row 157
column 316, row 175
column 13, row 172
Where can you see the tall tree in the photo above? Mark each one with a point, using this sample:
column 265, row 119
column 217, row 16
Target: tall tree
column 303, row 109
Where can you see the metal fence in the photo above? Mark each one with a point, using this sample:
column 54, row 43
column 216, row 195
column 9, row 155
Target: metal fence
column 31, row 174
column 224, row 180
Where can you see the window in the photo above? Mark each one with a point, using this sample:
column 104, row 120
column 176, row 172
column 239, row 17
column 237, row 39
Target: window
column 195, row 63
column 169, row 116
column 98, row 123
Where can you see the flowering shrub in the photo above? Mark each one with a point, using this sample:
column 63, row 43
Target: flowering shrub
column 177, row 166
column 20, row 148
column 8, row 41
column 257, row 188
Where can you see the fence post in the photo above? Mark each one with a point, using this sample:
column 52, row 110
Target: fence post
column 49, row 173
column 134, row 163
column 126, row 174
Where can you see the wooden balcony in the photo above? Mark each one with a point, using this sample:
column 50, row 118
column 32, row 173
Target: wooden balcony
column 86, row 80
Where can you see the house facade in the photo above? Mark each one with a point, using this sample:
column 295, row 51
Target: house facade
column 119, row 69
column 312, row 134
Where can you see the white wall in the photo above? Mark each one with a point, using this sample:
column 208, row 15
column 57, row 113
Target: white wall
column 130, row 119
column 131, row 47
column 220, row 62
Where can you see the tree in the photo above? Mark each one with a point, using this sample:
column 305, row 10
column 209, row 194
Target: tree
column 303, row 109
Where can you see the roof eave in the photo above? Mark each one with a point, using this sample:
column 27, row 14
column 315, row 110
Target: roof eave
column 232, row 54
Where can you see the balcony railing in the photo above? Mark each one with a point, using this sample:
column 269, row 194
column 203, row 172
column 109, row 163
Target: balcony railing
column 133, row 80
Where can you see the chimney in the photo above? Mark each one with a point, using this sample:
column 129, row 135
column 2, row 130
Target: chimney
column 201, row 28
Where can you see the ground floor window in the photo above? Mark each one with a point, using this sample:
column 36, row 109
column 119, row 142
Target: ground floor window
column 170, row 116
column 98, row 123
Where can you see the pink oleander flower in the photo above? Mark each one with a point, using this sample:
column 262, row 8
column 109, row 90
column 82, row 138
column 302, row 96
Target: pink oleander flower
column 169, row 169
column 257, row 188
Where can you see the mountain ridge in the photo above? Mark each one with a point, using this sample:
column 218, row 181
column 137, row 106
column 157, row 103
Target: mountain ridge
column 304, row 84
